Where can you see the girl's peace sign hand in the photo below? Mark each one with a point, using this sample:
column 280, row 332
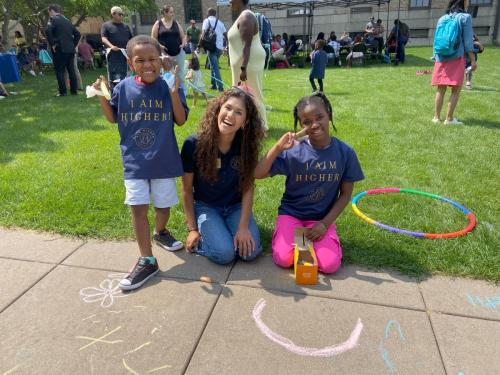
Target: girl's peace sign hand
column 286, row 141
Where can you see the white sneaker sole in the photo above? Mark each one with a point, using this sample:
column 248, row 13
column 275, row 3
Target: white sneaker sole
column 172, row 248
column 138, row 285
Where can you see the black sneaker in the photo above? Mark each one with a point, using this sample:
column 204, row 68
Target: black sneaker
column 141, row 273
column 167, row 241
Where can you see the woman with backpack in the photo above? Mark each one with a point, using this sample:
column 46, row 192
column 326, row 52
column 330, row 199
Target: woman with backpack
column 170, row 34
column 452, row 39
column 246, row 53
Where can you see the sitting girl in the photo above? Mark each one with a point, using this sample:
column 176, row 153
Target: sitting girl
column 320, row 173
column 218, row 179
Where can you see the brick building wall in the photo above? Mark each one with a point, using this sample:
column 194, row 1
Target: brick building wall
column 225, row 14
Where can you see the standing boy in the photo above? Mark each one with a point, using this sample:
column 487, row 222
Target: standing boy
column 146, row 109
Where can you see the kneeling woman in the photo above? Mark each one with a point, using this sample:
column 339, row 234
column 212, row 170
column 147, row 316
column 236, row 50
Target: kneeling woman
column 218, row 182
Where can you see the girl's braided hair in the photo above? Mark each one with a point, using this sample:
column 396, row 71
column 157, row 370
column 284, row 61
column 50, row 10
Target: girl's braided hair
column 318, row 95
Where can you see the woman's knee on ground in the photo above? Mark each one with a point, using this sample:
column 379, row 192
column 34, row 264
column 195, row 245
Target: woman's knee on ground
column 220, row 253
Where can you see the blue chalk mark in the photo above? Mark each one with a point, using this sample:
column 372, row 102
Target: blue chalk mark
column 470, row 299
column 383, row 351
column 484, row 301
column 385, row 357
column 398, row 326
column 461, row 373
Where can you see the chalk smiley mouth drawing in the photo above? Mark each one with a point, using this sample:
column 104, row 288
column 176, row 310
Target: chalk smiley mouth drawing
column 327, row 351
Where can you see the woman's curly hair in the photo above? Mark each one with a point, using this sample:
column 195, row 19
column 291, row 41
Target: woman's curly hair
column 248, row 137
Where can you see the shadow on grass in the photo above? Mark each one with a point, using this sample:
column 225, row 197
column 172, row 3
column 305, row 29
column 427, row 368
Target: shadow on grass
column 29, row 119
column 481, row 122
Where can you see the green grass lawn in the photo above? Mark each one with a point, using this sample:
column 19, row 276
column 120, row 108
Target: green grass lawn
column 60, row 166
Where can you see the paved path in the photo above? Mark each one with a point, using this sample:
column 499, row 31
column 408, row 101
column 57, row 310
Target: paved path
column 61, row 312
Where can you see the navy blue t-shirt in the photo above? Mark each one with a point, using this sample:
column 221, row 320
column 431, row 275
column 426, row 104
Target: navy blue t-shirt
column 145, row 122
column 313, row 177
column 226, row 190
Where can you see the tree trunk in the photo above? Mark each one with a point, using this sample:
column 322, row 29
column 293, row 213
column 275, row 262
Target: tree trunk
column 6, row 20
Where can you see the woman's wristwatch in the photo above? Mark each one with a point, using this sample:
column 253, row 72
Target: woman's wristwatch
column 243, row 67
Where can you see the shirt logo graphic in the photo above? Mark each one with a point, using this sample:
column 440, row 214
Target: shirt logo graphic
column 235, row 162
column 144, row 138
column 315, row 195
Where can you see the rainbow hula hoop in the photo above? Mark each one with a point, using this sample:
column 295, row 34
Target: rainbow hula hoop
column 469, row 214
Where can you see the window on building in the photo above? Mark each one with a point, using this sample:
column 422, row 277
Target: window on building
column 480, row 2
column 419, row 33
column 148, row 17
column 298, row 12
column 358, row 10
column 420, row 4
column 193, row 11
column 482, row 30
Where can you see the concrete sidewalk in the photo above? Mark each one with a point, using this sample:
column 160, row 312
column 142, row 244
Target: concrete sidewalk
column 61, row 312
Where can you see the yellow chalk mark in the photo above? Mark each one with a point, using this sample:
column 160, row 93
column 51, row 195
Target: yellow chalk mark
column 138, row 348
column 159, row 368
column 128, row 368
column 89, row 317
column 100, row 339
column 11, row 370
column 141, row 307
column 154, row 330
column 114, row 312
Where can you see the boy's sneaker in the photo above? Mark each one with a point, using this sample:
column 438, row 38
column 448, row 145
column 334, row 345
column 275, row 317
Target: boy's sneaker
column 167, row 241
column 436, row 120
column 141, row 273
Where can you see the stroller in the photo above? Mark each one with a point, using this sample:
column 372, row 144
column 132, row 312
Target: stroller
column 390, row 51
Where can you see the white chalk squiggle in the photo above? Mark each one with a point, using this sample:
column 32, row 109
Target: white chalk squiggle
column 328, row 351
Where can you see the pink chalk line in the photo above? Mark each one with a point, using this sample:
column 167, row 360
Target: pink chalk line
column 328, row 351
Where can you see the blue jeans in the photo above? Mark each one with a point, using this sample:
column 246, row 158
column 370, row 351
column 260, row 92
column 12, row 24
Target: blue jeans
column 217, row 227
column 215, row 78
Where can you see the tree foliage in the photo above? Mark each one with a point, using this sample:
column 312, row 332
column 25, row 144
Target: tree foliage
column 33, row 13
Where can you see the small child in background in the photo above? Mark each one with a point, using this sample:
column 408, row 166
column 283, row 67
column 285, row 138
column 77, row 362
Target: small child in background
column 196, row 79
column 35, row 62
column 24, row 61
column 477, row 48
column 319, row 60
column 320, row 174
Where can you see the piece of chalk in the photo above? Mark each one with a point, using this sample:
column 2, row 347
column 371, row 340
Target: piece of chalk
column 205, row 279
column 301, row 133
column 105, row 91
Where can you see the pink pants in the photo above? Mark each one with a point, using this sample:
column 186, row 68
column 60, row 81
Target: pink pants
column 328, row 250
